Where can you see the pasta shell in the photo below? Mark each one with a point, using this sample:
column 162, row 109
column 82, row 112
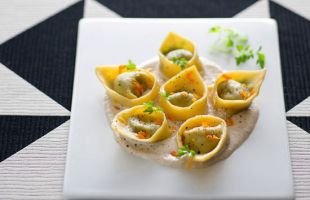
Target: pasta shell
column 205, row 134
column 124, row 86
column 172, row 42
column 132, row 122
column 189, row 81
column 235, row 90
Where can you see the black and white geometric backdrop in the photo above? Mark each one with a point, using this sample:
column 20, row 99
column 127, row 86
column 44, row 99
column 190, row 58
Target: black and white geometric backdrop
column 37, row 58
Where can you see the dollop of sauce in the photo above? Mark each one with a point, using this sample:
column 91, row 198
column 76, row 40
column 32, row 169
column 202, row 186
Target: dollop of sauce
column 239, row 127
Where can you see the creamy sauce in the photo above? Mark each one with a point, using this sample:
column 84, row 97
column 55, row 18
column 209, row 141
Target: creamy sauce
column 243, row 124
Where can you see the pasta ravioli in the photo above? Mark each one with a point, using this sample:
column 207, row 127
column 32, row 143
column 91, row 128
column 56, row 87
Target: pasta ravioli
column 177, row 53
column 126, row 86
column 205, row 134
column 185, row 95
column 139, row 125
column 236, row 90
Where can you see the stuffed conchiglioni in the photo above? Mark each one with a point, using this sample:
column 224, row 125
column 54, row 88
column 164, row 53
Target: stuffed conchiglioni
column 202, row 137
column 177, row 53
column 235, row 90
column 128, row 86
column 145, row 123
column 184, row 95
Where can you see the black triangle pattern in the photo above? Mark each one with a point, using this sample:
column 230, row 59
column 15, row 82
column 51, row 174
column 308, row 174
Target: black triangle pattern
column 302, row 122
column 294, row 48
column 19, row 131
column 177, row 8
column 44, row 55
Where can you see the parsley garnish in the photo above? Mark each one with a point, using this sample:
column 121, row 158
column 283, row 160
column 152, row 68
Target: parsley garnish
column 185, row 150
column 243, row 54
column 150, row 108
column 234, row 43
column 164, row 94
column 260, row 58
column 182, row 62
column 215, row 29
column 131, row 65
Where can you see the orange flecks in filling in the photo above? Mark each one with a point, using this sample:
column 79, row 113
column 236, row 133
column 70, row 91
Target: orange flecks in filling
column 226, row 77
column 184, row 94
column 244, row 94
column 229, row 122
column 143, row 135
column 171, row 118
column 213, row 137
column 121, row 69
column 139, row 88
column 190, row 77
column 174, row 153
column 205, row 124
column 158, row 122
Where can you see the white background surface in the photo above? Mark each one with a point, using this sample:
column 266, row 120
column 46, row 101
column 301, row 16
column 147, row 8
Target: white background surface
column 98, row 167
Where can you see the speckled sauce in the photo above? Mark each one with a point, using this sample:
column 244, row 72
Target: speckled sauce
column 243, row 124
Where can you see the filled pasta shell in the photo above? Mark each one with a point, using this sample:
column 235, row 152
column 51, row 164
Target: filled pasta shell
column 128, row 87
column 177, row 53
column 184, row 95
column 139, row 125
column 234, row 91
column 206, row 135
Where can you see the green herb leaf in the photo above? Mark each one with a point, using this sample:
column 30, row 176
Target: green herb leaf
column 131, row 65
column 236, row 44
column 182, row 62
column 239, row 47
column 244, row 55
column 215, row 29
column 260, row 58
column 150, row 108
column 185, row 150
column 164, row 94
column 229, row 43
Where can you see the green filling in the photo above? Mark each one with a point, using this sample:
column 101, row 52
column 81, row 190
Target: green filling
column 181, row 99
column 138, row 124
column 231, row 90
column 131, row 84
column 178, row 54
column 202, row 139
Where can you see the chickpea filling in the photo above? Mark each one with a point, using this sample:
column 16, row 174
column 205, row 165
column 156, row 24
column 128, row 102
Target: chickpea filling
column 132, row 84
column 202, row 139
column 182, row 99
column 178, row 54
column 233, row 90
column 143, row 126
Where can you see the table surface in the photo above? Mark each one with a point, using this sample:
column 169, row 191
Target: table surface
column 34, row 55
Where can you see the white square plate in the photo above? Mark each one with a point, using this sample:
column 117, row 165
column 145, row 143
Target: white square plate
column 97, row 167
